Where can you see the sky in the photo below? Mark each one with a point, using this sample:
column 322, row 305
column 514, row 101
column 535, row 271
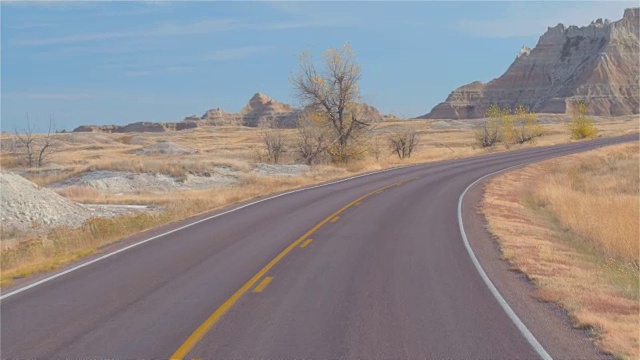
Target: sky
column 122, row 62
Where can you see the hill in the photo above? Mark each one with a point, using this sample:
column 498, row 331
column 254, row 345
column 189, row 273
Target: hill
column 597, row 64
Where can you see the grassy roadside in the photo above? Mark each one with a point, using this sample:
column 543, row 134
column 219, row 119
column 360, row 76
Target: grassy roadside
column 572, row 225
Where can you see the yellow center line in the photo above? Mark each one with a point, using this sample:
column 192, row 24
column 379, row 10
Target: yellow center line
column 263, row 284
column 193, row 339
column 335, row 219
column 358, row 203
column 306, row 243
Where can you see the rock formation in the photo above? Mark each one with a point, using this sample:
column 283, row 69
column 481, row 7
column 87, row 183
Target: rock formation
column 138, row 127
column 263, row 111
column 596, row 64
column 260, row 111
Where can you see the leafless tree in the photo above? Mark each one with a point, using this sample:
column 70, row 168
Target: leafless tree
column 403, row 142
column 35, row 150
column 275, row 143
column 376, row 149
column 313, row 139
column 333, row 92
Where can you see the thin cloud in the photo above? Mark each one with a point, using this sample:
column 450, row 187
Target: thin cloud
column 235, row 54
column 173, row 29
column 48, row 96
column 169, row 69
column 137, row 73
column 119, row 48
column 34, row 25
column 186, row 65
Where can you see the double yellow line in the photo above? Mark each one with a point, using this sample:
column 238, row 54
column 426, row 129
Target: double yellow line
column 213, row 318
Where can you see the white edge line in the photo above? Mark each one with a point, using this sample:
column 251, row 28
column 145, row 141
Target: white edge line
column 47, row 279
column 503, row 303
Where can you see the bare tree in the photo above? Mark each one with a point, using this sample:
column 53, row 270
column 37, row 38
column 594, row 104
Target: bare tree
column 313, row 138
column 275, row 143
column 34, row 150
column 403, row 142
column 376, row 150
column 333, row 92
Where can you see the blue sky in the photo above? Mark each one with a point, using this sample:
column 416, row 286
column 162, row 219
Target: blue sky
column 121, row 62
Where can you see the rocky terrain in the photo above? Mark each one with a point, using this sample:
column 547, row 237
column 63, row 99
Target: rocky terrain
column 596, row 64
column 260, row 111
column 122, row 182
column 144, row 126
column 163, row 148
column 25, row 206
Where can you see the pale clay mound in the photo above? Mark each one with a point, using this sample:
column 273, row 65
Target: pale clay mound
column 281, row 170
column 24, row 204
column 164, row 148
column 118, row 182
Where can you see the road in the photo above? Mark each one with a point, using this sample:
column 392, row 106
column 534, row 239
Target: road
column 372, row 267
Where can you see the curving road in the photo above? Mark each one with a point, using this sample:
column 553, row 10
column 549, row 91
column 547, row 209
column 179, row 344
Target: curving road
column 372, row 267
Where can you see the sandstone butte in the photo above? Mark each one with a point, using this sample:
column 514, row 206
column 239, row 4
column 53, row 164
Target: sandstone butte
column 260, row 111
column 596, row 64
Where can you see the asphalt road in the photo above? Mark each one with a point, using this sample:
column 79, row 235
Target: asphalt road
column 373, row 267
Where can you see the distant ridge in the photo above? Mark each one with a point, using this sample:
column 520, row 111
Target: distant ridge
column 260, row 111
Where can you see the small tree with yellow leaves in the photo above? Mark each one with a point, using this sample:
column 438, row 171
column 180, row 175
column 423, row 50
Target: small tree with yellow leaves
column 581, row 125
column 526, row 126
column 488, row 131
column 333, row 92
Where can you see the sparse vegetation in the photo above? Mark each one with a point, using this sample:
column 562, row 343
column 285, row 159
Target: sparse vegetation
column 333, row 95
column 572, row 225
column 501, row 125
column 274, row 143
column 521, row 127
column 34, row 150
column 581, row 125
column 402, row 142
column 313, row 138
column 488, row 133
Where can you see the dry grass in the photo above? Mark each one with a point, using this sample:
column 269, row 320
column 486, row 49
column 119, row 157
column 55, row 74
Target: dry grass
column 238, row 148
column 572, row 225
column 597, row 198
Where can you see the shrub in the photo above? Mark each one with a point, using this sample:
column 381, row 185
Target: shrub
column 582, row 125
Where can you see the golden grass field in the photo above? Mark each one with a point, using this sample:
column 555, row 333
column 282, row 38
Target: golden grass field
column 239, row 148
column 572, row 225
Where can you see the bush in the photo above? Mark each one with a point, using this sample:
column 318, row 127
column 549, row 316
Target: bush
column 403, row 142
column 488, row 133
column 582, row 125
column 510, row 128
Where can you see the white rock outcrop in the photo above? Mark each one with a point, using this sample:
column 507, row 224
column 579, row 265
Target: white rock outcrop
column 24, row 205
